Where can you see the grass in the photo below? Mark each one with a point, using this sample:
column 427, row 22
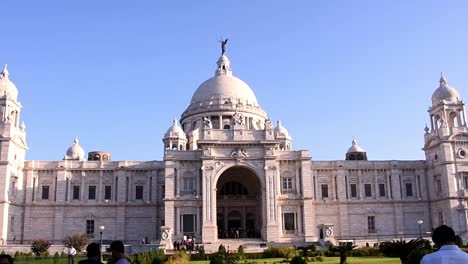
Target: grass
column 327, row 260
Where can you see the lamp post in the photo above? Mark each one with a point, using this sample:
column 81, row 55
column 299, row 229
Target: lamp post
column 420, row 222
column 101, row 228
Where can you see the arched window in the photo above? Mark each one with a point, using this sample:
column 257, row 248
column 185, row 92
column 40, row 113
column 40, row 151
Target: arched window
column 227, row 126
column 360, row 156
column 351, row 157
column 453, row 119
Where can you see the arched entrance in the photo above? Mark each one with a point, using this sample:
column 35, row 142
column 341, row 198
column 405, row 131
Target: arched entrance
column 239, row 204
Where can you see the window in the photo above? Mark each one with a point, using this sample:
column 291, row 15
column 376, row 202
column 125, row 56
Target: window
column 353, row 190
column 371, row 224
column 409, row 189
column 233, row 188
column 368, row 190
column 92, row 192
column 163, row 191
column 188, row 223
column 188, row 185
column 13, row 188
column 465, row 179
column 287, row 185
column 324, row 190
column 139, row 192
column 107, row 192
column 289, row 222
column 382, row 190
column 76, row 192
column 45, row 192
column 441, row 218
column 90, row 227
column 438, row 186
column 12, row 224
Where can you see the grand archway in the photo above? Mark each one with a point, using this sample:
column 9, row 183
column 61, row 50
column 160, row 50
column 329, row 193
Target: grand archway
column 238, row 204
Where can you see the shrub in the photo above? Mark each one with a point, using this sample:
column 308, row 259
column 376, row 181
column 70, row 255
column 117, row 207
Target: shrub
column 40, row 247
column 180, row 257
column 217, row 259
column 240, row 251
column 148, row 257
column 298, row 260
column 280, row 252
column 78, row 241
column 365, row 252
column 222, row 250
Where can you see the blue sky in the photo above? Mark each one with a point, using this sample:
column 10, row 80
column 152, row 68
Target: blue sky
column 116, row 73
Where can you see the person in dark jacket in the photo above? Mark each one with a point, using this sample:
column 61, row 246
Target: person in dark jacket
column 93, row 251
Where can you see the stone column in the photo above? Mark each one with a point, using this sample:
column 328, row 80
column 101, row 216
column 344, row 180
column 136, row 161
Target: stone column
column 209, row 230
column 272, row 228
column 308, row 199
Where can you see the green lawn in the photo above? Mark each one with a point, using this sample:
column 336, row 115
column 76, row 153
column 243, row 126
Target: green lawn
column 329, row 260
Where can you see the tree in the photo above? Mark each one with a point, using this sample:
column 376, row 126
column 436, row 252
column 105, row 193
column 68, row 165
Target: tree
column 343, row 249
column 78, row 241
column 402, row 249
column 40, row 247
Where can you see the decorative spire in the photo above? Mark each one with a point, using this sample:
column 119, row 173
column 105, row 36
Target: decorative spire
column 443, row 80
column 354, row 142
column 426, row 129
column 76, row 142
column 4, row 73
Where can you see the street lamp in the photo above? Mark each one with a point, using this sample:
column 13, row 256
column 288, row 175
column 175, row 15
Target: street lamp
column 101, row 228
column 420, row 222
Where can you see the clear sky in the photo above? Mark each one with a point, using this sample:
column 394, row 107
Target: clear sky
column 116, row 73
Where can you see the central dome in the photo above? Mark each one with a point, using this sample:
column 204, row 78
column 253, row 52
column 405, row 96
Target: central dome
column 224, row 86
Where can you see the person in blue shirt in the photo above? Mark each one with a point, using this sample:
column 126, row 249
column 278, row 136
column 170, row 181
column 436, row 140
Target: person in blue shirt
column 449, row 253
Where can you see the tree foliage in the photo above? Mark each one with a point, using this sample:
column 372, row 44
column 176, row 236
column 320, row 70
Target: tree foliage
column 343, row 249
column 402, row 249
column 40, row 247
column 78, row 241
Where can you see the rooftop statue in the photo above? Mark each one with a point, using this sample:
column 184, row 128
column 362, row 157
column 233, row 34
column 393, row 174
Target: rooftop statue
column 223, row 46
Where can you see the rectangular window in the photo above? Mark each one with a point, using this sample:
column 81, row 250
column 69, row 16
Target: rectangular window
column 13, row 188
column 287, row 185
column 163, row 191
column 409, row 189
column 382, row 190
column 92, row 192
column 324, row 190
column 90, row 227
column 139, row 192
column 107, row 192
column 76, row 192
column 368, row 190
column 441, row 218
column 12, row 224
column 188, row 185
column 371, row 224
column 289, row 222
column 45, row 192
column 465, row 180
column 353, row 190
column 188, row 223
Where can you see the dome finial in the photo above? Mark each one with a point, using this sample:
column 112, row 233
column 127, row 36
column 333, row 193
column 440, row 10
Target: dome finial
column 354, row 142
column 223, row 45
column 76, row 141
column 4, row 73
column 443, row 80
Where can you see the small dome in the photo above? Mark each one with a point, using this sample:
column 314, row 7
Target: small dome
column 175, row 131
column 75, row 152
column 224, row 85
column 444, row 92
column 280, row 131
column 355, row 148
column 7, row 86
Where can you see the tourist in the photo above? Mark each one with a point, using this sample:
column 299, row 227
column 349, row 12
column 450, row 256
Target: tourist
column 6, row 259
column 118, row 249
column 448, row 253
column 71, row 254
column 93, row 252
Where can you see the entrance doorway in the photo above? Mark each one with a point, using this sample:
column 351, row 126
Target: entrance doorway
column 239, row 204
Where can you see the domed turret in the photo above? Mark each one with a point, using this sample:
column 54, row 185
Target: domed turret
column 7, row 87
column 283, row 136
column 75, row 152
column 175, row 137
column 355, row 152
column 444, row 92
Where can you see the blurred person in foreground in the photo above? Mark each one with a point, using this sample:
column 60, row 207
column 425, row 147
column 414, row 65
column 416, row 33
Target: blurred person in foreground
column 118, row 255
column 93, row 251
column 449, row 253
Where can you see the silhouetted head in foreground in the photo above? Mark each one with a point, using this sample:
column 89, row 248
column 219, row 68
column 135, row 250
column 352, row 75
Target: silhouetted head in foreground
column 444, row 235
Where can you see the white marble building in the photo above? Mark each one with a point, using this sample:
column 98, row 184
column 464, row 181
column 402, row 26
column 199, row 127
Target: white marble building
column 227, row 171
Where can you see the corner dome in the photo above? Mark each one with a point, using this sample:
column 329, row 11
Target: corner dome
column 75, row 152
column 281, row 131
column 175, row 131
column 7, row 87
column 223, row 86
column 355, row 148
column 444, row 92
